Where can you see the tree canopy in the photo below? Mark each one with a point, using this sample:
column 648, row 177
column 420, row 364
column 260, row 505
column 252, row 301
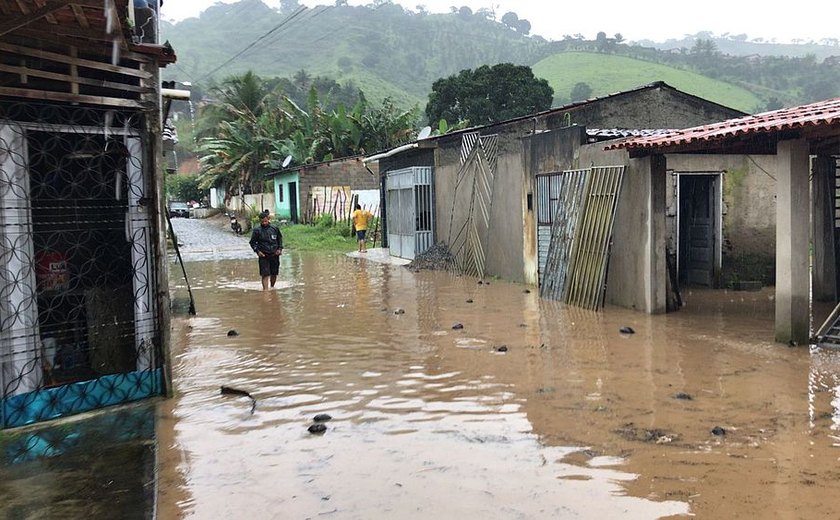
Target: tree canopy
column 488, row 94
column 253, row 125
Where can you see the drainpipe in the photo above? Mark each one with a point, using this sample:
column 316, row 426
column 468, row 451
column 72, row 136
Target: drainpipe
column 390, row 152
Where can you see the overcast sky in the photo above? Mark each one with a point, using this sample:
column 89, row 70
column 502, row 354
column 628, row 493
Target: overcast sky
column 635, row 19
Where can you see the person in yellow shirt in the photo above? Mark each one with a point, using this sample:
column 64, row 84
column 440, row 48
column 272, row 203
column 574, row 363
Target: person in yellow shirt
column 361, row 219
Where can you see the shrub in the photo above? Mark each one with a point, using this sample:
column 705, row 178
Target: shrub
column 325, row 220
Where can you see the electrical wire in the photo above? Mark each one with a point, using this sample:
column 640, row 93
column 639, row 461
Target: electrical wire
column 248, row 47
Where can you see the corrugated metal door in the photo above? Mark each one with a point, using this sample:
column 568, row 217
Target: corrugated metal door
column 576, row 212
column 558, row 206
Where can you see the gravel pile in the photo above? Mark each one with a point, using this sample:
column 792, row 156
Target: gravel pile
column 436, row 258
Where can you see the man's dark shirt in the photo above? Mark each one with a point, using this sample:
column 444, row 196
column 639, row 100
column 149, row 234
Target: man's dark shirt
column 267, row 239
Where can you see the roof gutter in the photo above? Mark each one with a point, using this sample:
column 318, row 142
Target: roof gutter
column 389, row 153
column 172, row 93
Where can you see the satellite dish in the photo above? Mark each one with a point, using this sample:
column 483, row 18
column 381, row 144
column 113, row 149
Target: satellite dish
column 287, row 160
column 424, row 133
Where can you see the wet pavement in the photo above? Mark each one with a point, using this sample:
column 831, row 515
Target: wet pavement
column 454, row 399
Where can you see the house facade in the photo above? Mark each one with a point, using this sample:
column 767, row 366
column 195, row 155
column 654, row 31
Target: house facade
column 797, row 148
column 84, row 311
column 303, row 193
column 491, row 183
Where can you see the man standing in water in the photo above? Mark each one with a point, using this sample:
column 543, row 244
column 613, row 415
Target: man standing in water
column 267, row 242
column 361, row 219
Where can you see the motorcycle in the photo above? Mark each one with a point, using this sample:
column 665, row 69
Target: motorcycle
column 235, row 226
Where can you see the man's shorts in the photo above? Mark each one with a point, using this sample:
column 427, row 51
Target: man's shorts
column 360, row 234
column 269, row 265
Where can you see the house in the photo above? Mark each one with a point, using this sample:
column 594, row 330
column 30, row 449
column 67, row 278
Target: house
column 304, row 192
column 83, row 271
column 489, row 193
column 797, row 149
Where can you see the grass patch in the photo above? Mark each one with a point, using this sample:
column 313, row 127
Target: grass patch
column 303, row 237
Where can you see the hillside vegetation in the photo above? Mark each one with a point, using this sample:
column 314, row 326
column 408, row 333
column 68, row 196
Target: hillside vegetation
column 388, row 51
column 607, row 74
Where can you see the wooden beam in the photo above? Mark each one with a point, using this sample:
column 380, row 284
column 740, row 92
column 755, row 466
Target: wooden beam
column 29, row 17
column 88, row 40
column 24, row 78
column 49, row 17
column 62, row 58
column 25, row 71
column 72, row 98
column 80, row 16
column 74, row 72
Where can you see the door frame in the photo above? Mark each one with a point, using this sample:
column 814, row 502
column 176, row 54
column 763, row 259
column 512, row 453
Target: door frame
column 718, row 212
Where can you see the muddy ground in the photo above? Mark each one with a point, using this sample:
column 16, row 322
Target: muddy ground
column 454, row 399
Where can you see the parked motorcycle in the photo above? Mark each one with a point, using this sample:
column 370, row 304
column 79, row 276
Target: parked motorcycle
column 235, row 226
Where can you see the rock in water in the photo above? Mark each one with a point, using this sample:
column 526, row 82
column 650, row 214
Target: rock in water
column 317, row 428
column 322, row 417
column 627, row 330
column 232, row 332
column 458, row 326
column 717, row 430
column 503, row 348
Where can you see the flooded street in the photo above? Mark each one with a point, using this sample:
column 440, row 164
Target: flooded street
column 454, row 399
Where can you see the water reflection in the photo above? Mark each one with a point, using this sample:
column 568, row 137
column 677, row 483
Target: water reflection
column 96, row 466
column 574, row 419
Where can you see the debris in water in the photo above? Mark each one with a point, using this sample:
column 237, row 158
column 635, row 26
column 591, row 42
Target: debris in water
column 502, row 348
column 469, row 300
column 232, row 332
column 627, row 330
column 717, row 430
column 527, row 291
column 322, row 417
column 399, row 311
column 458, row 326
column 226, row 390
column 317, row 428
column 684, row 396
column 436, row 258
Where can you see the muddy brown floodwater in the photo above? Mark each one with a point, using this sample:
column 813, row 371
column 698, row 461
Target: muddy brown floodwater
column 573, row 420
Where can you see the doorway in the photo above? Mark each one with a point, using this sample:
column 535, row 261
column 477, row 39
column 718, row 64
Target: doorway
column 699, row 229
column 293, row 204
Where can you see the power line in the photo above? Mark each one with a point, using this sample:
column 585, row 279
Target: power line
column 318, row 13
column 282, row 24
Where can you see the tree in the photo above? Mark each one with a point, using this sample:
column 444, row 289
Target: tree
column 488, row 94
column 287, row 6
column 524, row 26
column 601, row 39
column 510, row 19
column 581, row 92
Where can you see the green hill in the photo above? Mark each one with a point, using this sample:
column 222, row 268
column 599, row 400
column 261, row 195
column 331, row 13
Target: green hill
column 607, row 74
column 389, row 51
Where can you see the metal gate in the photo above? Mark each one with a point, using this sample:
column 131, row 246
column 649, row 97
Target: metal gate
column 469, row 222
column 576, row 212
column 558, row 207
column 78, row 325
column 410, row 211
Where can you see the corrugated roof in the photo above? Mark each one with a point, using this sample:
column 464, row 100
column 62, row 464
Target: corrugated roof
column 821, row 113
column 615, row 133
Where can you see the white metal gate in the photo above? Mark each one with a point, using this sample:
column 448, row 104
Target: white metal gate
column 409, row 211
